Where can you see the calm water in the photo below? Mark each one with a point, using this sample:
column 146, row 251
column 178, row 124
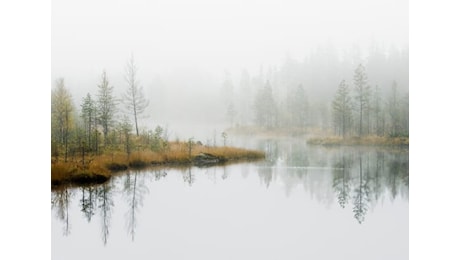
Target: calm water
column 302, row 202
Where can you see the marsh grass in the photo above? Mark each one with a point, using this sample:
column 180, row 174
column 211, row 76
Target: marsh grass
column 101, row 167
column 61, row 171
column 70, row 172
column 233, row 153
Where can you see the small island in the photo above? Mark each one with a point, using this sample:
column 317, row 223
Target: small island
column 86, row 167
column 104, row 135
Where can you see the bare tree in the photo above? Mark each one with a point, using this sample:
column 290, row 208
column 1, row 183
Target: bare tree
column 134, row 190
column 105, row 201
column 134, row 97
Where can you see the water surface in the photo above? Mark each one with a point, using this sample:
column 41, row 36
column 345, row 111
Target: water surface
column 302, row 202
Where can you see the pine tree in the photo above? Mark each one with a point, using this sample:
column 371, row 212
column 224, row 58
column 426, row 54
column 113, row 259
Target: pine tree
column 106, row 105
column 88, row 114
column 362, row 94
column 342, row 108
column 265, row 107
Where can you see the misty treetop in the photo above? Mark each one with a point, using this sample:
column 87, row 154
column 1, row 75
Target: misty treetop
column 80, row 130
column 95, row 137
column 106, row 104
column 350, row 96
column 134, row 98
column 354, row 110
column 346, row 95
column 62, row 118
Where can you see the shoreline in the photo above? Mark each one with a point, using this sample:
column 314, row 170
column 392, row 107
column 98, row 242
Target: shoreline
column 316, row 136
column 359, row 141
column 100, row 168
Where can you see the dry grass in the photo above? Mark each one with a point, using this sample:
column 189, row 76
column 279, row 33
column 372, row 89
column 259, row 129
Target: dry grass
column 101, row 166
column 61, row 171
column 67, row 172
column 232, row 153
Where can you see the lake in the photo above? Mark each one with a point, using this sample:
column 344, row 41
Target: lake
column 302, row 202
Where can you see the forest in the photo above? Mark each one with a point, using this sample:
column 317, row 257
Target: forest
column 354, row 99
column 354, row 96
column 90, row 141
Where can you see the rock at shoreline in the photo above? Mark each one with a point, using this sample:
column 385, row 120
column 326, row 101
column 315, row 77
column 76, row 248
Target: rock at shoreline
column 206, row 159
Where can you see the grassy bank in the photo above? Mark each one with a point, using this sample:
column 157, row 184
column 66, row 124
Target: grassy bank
column 366, row 140
column 318, row 136
column 99, row 168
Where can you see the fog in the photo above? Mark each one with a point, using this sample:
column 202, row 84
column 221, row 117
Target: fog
column 186, row 50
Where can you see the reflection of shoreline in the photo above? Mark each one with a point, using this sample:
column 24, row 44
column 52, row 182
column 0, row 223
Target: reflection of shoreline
column 354, row 179
column 357, row 141
column 361, row 174
column 178, row 154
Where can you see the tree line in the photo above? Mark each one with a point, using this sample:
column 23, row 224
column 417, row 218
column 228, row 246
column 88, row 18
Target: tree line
column 95, row 125
column 360, row 181
column 339, row 97
column 361, row 110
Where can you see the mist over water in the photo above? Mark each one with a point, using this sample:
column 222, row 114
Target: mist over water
column 298, row 203
column 263, row 75
column 184, row 50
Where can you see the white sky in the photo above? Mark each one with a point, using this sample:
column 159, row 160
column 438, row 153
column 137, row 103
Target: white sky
column 434, row 53
column 89, row 35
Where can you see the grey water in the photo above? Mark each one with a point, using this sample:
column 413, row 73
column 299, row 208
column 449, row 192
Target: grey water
column 301, row 202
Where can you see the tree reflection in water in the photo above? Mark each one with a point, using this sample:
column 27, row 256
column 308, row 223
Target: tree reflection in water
column 361, row 175
column 357, row 179
column 159, row 174
column 341, row 181
column 134, row 190
column 105, row 201
column 60, row 200
column 188, row 177
column 361, row 196
column 88, row 201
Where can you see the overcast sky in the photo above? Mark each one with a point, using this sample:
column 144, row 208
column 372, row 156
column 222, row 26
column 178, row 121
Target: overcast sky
column 210, row 35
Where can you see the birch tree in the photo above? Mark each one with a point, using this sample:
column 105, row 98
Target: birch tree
column 61, row 115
